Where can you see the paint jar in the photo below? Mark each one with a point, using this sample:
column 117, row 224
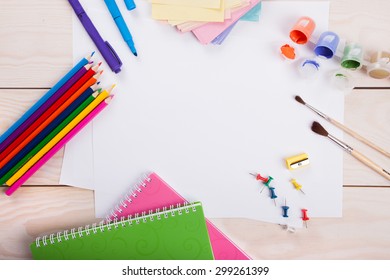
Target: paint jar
column 352, row 57
column 288, row 52
column 327, row 44
column 302, row 30
column 379, row 65
column 343, row 80
column 309, row 67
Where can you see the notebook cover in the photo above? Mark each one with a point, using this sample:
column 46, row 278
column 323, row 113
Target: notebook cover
column 152, row 192
column 178, row 233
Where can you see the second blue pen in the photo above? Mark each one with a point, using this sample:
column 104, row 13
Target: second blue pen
column 120, row 22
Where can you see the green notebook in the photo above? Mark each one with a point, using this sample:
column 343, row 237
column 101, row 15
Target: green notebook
column 176, row 233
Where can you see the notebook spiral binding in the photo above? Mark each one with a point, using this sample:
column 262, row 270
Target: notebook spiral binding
column 130, row 220
column 128, row 198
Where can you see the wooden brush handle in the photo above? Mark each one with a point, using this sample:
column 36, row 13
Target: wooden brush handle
column 359, row 137
column 370, row 164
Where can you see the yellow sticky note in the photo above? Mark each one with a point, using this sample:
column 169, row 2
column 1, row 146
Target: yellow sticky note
column 211, row 4
column 177, row 13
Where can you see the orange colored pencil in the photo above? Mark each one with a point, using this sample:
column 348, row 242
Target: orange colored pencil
column 13, row 150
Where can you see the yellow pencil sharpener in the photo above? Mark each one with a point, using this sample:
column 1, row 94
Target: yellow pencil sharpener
column 297, row 161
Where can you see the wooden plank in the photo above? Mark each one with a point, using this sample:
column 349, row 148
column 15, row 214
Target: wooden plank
column 36, row 46
column 367, row 112
column 362, row 233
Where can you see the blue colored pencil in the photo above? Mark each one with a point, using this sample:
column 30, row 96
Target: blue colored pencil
column 46, row 131
column 44, row 98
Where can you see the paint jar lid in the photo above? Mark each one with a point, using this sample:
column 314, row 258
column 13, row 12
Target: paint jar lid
column 288, row 52
column 379, row 65
column 343, row 80
column 309, row 67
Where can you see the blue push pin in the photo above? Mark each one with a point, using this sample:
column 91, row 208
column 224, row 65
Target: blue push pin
column 285, row 210
column 273, row 195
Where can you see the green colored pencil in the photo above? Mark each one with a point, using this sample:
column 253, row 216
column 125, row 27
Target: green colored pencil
column 47, row 139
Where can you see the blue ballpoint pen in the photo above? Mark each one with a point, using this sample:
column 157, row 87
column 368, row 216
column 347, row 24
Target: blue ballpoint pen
column 104, row 47
column 120, row 22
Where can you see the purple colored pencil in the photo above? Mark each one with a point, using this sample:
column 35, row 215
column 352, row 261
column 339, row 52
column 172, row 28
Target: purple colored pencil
column 61, row 91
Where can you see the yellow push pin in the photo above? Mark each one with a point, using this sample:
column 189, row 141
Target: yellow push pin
column 296, row 185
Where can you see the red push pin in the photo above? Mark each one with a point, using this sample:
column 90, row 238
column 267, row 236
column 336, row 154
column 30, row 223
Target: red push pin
column 304, row 216
column 259, row 177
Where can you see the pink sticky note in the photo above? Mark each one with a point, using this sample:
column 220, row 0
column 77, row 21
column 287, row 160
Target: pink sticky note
column 206, row 33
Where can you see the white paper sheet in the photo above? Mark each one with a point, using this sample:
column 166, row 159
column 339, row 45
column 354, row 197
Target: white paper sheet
column 203, row 117
column 77, row 164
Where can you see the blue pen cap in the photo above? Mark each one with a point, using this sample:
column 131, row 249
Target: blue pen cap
column 130, row 4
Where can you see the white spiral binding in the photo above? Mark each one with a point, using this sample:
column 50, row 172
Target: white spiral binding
column 129, row 196
column 95, row 228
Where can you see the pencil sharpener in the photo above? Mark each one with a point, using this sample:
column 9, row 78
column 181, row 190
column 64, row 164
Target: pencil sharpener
column 297, row 161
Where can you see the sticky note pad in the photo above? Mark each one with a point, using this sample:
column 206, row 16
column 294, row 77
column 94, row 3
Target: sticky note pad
column 171, row 12
column 211, row 4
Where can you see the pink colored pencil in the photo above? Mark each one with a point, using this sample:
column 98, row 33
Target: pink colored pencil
column 58, row 146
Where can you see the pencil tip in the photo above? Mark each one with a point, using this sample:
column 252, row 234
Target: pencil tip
column 92, row 53
column 135, row 53
column 112, row 87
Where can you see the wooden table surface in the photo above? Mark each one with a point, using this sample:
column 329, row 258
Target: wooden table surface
column 36, row 47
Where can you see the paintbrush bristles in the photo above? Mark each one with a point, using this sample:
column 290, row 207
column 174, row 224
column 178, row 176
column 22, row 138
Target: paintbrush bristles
column 299, row 99
column 317, row 128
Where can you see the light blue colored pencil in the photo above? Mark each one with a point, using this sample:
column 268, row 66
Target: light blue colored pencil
column 44, row 98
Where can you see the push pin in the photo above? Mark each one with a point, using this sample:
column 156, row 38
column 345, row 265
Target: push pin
column 268, row 181
column 296, row 185
column 285, row 210
column 265, row 181
column 305, row 218
column 272, row 194
column 259, row 177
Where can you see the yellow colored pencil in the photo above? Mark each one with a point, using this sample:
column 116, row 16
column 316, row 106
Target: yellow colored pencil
column 101, row 97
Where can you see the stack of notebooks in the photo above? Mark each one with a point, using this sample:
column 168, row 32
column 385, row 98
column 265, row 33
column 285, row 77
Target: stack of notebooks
column 50, row 123
column 151, row 222
column 210, row 21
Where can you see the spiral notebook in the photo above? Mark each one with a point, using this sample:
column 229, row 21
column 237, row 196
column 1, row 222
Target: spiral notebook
column 174, row 233
column 152, row 192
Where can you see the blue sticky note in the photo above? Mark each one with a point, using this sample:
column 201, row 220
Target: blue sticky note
column 253, row 14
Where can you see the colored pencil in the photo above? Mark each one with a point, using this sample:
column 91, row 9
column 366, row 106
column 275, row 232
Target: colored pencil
column 48, row 138
column 57, row 138
column 43, row 121
column 45, row 97
column 83, row 74
column 58, row 146
column 45, row 132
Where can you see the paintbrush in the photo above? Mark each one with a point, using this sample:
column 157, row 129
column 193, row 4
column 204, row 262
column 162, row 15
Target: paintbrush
column 317, row 128
column 343, row 127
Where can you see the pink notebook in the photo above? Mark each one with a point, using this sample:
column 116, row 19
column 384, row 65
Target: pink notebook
column 152, row 193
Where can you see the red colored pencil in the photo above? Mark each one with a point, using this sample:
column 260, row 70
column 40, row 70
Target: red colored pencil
column 86, row 77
